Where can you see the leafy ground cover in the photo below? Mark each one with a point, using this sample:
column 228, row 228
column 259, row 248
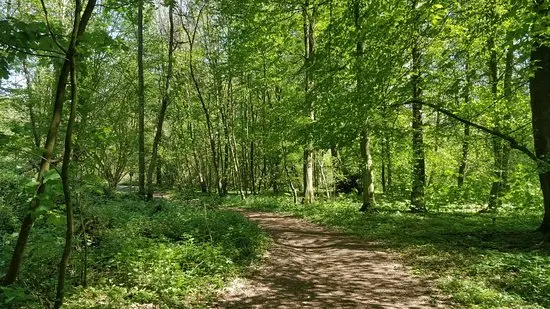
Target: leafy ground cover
column 483, row 260
column 168, row 253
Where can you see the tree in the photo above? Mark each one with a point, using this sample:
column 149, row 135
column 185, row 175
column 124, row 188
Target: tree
column 76, row 33
column 164, row 103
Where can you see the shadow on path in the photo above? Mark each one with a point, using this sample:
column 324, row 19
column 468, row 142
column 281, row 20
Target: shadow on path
column 309, row 266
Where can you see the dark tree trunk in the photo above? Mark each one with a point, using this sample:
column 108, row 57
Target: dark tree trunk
column 540, row 107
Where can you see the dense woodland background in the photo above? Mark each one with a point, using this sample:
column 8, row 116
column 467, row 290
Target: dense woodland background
column 406, row 106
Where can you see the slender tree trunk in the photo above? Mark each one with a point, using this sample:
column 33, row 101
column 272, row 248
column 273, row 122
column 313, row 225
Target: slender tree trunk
column 323, row 175
column 211, row 134
column 141, row 101
column 389, row 166
column 164, row 105
column 30, row 104
column 233, row 142
column 309, row 49
column 366, row 170
column 17, row 257
column 65, row 175
column 159, row 173
column 368, row 178
column 336, row 168
column 540, row 105
column 501, row 150
column 466, row 135
column 252, row 169
column 418, row 203
column 291, row 185
column 464, row 158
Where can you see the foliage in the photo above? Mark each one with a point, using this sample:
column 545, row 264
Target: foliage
column 165, row 253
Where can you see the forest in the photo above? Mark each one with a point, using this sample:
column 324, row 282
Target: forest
column 274, row 154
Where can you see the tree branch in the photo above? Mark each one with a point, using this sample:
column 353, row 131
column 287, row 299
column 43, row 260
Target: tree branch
column 50, row 28
column 513, row 142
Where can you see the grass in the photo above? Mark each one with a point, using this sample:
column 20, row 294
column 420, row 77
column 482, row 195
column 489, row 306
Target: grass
column 481, row 260
column 172, row 254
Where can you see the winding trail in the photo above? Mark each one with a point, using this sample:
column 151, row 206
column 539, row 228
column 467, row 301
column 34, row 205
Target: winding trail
column 310, row 266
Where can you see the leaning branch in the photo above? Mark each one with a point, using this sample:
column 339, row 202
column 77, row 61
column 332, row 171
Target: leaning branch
column 513, row 142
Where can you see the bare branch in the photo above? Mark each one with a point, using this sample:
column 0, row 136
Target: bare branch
column 50, row 28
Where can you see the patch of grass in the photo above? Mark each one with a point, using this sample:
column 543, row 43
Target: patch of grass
column 171, row 254
column 482, row 260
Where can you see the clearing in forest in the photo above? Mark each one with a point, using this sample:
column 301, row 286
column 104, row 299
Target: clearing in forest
column 311, row 266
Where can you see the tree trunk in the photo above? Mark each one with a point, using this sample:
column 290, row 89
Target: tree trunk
column 540, row 106
column 466, row 136
column 464, row 159
column 252, row 169
column 367, row 175
column 419, row 166
column 65, row 175
column 211, row 134
column 291, row 185
column 141, row 102
column 336, row 168
column 368, row 178
column 164, row 105
column 30, row 104
column 501, row 150
column 309, row 49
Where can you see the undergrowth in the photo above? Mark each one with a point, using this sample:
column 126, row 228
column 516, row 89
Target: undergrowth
column 161, row 253
column 482, row 260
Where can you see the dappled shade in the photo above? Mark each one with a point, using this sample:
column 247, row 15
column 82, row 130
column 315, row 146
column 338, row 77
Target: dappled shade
column 310, row 266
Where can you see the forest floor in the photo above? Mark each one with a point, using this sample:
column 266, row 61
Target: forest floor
column 312, row 266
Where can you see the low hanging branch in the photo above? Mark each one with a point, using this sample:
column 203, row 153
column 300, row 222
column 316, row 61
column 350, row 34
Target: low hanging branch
column 513, row 142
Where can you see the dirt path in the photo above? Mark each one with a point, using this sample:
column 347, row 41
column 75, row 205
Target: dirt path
column 309, row 266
